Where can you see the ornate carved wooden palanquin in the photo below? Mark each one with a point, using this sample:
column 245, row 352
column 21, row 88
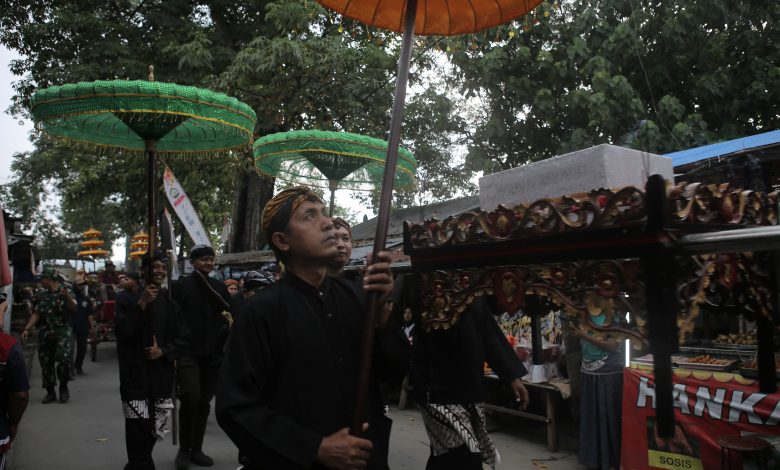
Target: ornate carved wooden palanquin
column 610, row 251
column 576, row 288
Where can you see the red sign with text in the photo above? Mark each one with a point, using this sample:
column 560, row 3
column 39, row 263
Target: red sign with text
column 707, row 405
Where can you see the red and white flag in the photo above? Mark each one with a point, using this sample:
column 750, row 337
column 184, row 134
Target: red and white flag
column 168, row 238
column 184, row 209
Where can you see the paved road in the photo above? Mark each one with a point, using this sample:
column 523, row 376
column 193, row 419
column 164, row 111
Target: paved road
column 87, row 433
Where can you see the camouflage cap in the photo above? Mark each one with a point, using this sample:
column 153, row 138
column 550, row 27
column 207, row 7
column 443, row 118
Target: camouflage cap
column 50, row 273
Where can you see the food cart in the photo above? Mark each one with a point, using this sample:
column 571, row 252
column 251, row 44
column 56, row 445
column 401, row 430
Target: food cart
column 661, row 258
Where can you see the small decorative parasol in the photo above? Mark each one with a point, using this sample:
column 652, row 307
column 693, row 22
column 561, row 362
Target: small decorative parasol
column 139, row 245
column 331, row 160
column 429, row 18
column 145, row 116
column 93, row 245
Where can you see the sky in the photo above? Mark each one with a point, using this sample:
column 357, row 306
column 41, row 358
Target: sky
column 14, row 137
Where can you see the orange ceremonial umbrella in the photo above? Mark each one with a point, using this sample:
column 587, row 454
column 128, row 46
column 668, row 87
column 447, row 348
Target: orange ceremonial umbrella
column 434, row 18
column 429, row 17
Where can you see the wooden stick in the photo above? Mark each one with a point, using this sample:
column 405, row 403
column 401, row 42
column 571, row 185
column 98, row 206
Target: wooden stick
column 383, row 218
column 151, row 154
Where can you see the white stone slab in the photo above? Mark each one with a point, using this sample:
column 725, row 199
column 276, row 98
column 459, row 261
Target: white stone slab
column 603, row 166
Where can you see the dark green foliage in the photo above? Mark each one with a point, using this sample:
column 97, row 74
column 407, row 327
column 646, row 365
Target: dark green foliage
column 286, row 59
column 655, row 76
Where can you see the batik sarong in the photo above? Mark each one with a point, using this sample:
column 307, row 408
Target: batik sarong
column 139, row 409
column 453, row 426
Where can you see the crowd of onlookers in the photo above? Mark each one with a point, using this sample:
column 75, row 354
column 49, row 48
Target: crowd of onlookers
column 280, row 351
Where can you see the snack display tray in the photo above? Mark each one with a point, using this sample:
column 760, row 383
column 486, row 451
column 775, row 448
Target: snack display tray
column 697, row 365
column 745, row 347
column 646, row 359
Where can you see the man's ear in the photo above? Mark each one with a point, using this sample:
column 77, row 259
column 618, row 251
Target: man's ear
column 280, row 241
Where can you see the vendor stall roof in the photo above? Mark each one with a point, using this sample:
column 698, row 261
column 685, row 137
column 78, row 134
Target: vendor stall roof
column 360, row 252
column 440, row 210
column 245, row 258
column 684, row 157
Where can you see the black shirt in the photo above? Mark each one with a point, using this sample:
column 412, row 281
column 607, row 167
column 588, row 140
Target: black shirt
column 80, row 319
column 203, row 312
column 447, row 365
column 140, row 378
column 289, row 371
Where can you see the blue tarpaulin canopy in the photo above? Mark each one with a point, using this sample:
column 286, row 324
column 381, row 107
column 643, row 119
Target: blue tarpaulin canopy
column 685, row 157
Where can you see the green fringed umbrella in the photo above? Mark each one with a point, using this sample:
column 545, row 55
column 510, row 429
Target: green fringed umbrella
column 145, row 116
column 330, row 160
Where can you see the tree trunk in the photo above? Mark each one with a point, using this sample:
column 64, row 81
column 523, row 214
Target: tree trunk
column 252, row 193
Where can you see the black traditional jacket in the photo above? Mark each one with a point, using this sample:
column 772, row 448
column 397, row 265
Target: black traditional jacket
column 289, row 372
column 203, row 299
column 448, row 365
column 140, row 378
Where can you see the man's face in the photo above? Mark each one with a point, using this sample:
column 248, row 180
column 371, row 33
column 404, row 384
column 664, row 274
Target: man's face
column 126, row 282
column 110, row 268
column 204, row 264
column 232, row 289
column 309, row 234
column 343, row 246
column 92, row 278
column 159, row 272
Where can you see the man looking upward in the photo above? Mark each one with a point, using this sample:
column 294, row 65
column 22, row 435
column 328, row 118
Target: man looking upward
column 285, row 393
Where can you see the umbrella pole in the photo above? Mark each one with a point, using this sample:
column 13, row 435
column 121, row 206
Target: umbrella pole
column 332, row 185
column 383, row 218
column 151, row 151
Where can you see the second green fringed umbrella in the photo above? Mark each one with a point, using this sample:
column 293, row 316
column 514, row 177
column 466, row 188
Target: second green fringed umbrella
column 145, row 116
column 332, row 160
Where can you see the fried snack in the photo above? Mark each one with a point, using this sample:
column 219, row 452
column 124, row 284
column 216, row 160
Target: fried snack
column 706, row 359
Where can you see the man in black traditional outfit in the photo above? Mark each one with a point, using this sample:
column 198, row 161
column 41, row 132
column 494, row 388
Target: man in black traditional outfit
column 82, row 322
column 447, row 374
column 151, row 335
column 343, row 247
column 286, row 388
column 203, row 300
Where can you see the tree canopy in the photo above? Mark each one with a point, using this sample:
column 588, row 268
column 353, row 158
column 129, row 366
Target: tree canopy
column 297, row 65
column 655, row 76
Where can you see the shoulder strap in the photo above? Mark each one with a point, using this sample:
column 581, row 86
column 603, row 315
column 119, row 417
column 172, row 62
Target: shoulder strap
column 214, row 299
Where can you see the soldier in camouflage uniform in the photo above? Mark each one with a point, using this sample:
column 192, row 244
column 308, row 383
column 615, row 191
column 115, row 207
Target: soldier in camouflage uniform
column 53, row 309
